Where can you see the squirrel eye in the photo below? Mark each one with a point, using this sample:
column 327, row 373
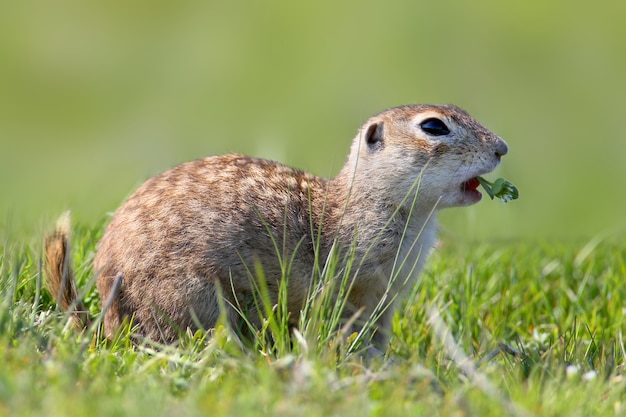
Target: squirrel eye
column 434, row 127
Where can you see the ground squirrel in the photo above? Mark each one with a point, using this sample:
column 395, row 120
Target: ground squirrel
column 207, row 222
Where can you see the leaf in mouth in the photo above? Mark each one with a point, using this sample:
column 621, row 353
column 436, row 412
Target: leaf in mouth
column 500, row 188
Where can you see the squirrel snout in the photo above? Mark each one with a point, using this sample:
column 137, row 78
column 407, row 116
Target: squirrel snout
column 501, row 148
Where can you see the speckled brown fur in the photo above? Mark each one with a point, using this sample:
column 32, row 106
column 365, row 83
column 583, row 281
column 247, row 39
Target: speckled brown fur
column 210, row 221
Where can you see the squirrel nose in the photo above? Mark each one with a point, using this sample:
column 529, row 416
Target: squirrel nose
column 501, row 148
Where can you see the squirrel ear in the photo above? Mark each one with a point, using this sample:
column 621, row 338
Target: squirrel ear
column 375, row 135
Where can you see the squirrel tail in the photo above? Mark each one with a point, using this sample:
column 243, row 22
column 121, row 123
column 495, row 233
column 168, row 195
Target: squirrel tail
column 60, row 279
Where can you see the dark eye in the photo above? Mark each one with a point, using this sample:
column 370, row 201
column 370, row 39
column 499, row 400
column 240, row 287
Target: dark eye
column 434, row 127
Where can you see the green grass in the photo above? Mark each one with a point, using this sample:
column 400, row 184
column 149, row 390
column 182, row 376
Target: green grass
column 560, row 306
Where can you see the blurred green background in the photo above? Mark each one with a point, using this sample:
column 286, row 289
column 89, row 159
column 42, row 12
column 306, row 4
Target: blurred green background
column 97, row 96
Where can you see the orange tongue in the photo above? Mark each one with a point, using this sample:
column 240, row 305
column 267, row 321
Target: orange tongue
column 471, row 185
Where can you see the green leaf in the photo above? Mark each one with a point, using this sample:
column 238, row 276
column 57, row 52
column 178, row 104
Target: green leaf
column 500, row 188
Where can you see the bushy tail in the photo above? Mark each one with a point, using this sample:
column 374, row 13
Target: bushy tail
column 59, row 276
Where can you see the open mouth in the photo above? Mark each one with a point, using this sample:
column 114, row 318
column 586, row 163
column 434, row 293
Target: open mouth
column 470, row 185
column 470, row 190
